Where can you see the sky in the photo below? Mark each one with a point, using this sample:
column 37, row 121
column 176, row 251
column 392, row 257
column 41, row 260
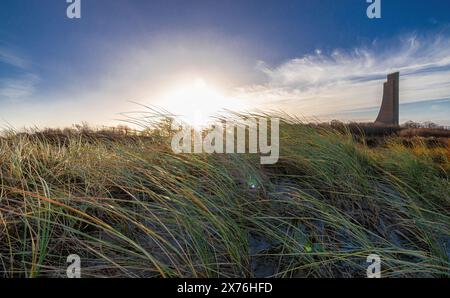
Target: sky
column 314, row 59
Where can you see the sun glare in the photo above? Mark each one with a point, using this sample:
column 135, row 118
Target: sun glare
column 196, row 102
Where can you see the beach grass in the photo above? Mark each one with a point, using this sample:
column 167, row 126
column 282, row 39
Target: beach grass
column 130, row 207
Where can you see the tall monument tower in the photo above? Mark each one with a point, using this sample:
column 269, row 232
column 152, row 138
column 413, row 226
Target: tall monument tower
column 389, row 110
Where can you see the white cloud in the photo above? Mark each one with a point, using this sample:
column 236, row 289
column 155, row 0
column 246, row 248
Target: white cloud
column 15, row 89
column 20, row 84
column 320, row 84
column 144, row 72
column 313, row 85
column 8, row 57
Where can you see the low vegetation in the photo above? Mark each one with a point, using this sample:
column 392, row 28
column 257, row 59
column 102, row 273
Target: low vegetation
column 129, row 207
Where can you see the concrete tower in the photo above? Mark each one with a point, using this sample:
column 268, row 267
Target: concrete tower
column 390, row 106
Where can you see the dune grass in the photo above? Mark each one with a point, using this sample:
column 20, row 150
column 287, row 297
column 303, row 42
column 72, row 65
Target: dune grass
column 129, row 207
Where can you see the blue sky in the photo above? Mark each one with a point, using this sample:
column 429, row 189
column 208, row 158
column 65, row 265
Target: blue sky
column 312, row 58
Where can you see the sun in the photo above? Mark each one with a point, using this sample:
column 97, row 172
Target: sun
column 195, row 102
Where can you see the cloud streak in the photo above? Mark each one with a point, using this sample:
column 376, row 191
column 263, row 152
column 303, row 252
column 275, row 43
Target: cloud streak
column 16, row 89
column 326, row 85
column 8, row 57
column 322, row 84
column 20, row 83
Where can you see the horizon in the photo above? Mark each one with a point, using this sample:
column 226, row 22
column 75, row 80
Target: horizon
column 319, row 60
column 209, row 147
